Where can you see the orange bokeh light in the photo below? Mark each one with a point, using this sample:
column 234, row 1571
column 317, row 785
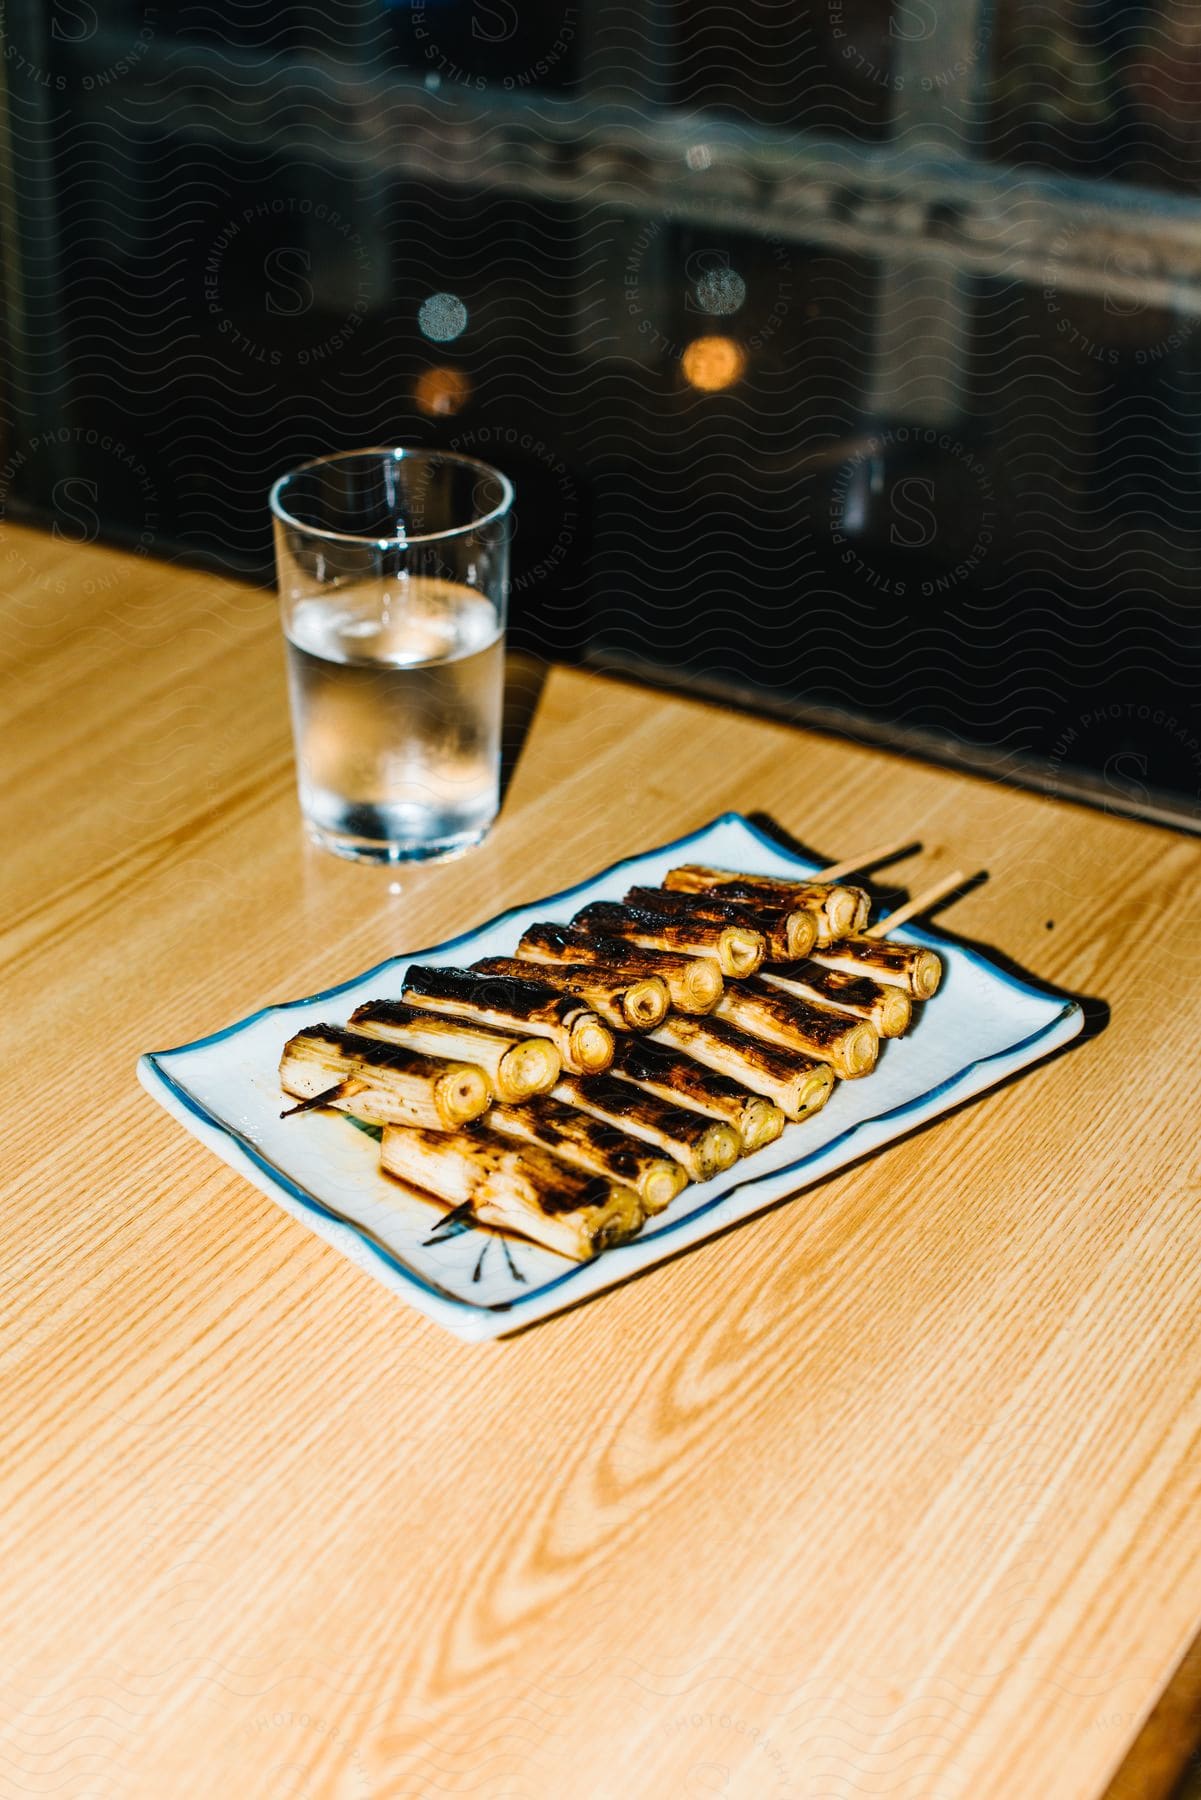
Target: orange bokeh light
column 441, row 391
column 712, row 363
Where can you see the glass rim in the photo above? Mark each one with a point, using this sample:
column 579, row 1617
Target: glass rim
column 399, row 453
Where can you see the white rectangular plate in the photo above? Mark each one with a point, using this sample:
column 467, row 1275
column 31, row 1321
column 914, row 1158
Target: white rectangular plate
column 983, row 1024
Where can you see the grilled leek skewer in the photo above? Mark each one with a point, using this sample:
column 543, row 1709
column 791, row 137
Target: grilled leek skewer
column 889, row 1009
column 516, row 1066
column 693, row 982
column 910, row 966
column 738, row 949
column 684, row 1081
column 590, row 1143
column 584, row 1042
column 790, row 931
column 632, row 1004
column 836, row 908
column 518, row 1188
column 705, row 1146
column 798, row 1084
column 849, row 1045
column 385, row 1084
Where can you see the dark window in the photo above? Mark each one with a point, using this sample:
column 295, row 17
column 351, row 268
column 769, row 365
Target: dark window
column 844, row 355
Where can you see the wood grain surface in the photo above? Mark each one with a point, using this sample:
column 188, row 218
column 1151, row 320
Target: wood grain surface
column 891, row 1490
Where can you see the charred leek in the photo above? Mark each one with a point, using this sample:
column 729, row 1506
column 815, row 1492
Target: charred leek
column 592, row 1144
column 836, row 909
column 705, row 1146
column 584, row 1042
column 517, row 1067
column 789, row 931
column 909, row 966
column 382, row 1083
column 634, row 1003
column 693, row 982
column 798, row 1084
column 887, row 1008
column 738, row 949
column 517, row 1188
column 685, row 1082
column 850, row 1046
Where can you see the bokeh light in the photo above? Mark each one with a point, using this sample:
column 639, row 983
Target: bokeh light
column 721, row 291
column 711, row 363
column 441, row 391
column 442, row 318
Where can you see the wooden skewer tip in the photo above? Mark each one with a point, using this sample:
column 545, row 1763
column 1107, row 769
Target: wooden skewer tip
column 341, row 1090
column 882, row 853
column 920, row 903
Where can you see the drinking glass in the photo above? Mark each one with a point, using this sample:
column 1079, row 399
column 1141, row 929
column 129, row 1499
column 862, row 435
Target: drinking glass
column 393, row 571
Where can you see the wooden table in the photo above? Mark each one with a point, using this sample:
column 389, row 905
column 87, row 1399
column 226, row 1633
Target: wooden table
column 891, row 1490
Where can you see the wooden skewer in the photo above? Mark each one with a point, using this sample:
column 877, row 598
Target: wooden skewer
column 919, row 904
column 450, row 1224
column 882, row 853
column 341, row 1090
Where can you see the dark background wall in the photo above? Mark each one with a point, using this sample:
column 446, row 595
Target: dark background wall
column 844, row 354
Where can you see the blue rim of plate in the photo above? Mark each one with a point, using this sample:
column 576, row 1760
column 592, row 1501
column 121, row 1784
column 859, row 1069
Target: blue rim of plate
column 151, row 1059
